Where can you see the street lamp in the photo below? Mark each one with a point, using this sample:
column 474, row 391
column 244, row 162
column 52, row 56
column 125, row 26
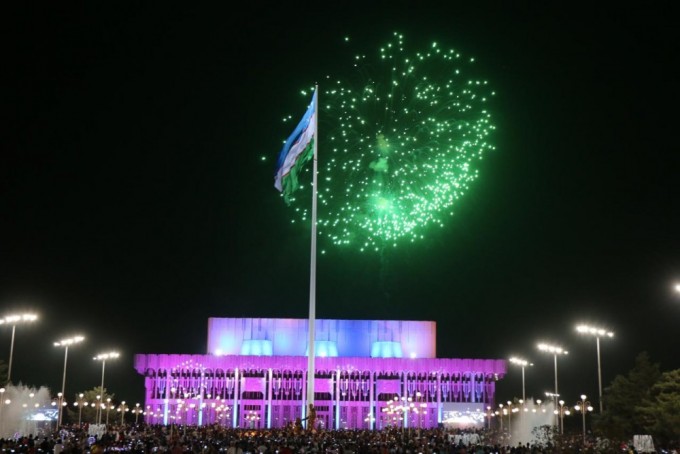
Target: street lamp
column 411, row 409
column 522, row 363
column 252, row 416
column 65, row 343
column 103, row 357
column 2, row 404
column 136, row 411
column 80, row 403
column 60, row 405
column 97, row 409
column 14, row 320
column 539, row 403
column 554, row 350
column 562, row 411
column 500, row 415
column 489, row 414
column 393, row 413
column 122, row 409
column 422, row 409
column 583, row 406
column 554, row 397
column 597, row 332
column 109, row 407
column 406, row 407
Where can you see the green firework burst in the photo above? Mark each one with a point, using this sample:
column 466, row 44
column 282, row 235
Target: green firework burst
column 398, row 144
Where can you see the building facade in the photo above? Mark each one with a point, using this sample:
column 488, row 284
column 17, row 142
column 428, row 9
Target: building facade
column 368, row 374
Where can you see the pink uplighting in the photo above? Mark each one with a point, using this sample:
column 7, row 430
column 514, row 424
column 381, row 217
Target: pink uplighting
column 369, row 374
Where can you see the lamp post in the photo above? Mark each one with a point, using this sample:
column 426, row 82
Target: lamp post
column 14, row 320
column 109, row 407
column 390, row 413
column 97, row 409
column 103, row 357
column 583, row 406
column 522, row 363
column 137, row 411
column 539, row 403
column 597, row 332
column 65, row 343
column 420, row 408
column 522, row 408
column 406, row 407
column 223, row 414
column 554, row 397
column 500, row 415
column 2, row 404
column 122, row 409
column 252, row 416
column 562, row 411
column 60, row 404
column 554, row 350
column 80, row 403
column 510, row 409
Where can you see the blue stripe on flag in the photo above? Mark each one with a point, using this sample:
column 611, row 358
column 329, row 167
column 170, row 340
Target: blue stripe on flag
column 295, row 136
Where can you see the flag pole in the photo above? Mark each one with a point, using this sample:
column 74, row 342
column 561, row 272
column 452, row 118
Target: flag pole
column 312, row 270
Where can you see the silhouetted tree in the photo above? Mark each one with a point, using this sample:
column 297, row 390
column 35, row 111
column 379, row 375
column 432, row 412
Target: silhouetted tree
column 622, row 418
column 89, row 412
column 660, row 411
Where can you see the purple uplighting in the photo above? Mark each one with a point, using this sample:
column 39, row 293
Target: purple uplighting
column 369, row 374
column 344, row 338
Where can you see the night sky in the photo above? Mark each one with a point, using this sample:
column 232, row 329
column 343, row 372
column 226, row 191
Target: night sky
column 135, row 202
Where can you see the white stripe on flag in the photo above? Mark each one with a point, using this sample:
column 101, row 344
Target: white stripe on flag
column 295, row 151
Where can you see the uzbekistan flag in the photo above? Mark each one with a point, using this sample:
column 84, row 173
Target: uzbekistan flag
column 298, row 149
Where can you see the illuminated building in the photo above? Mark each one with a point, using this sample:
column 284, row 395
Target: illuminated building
column 369, row 374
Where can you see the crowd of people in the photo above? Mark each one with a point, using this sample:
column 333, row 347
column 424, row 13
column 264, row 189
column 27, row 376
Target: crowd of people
column 145, row 439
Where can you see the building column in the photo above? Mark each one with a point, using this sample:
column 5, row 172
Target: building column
column 337, row 400
column 237, row 381
column 473, row 382
column 484, row 390
column 371, row 416
column 270, row 376
column 200, row 397
column 439, row 397
column 166, row 400
column 303, row 413
column 404, row 392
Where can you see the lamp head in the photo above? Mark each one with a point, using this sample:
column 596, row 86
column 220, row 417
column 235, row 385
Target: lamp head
column 13, row 319
column 519, row 361
column 554, row 349
column 69, row 341
column 105, row 356
column 594, row 331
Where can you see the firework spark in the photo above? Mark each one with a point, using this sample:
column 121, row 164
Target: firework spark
column 399, row 142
